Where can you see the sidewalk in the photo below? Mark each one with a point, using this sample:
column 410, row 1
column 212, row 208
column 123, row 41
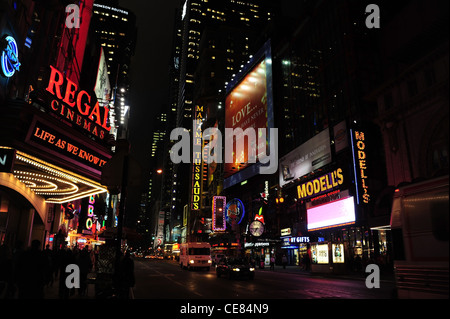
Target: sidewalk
column 52, row 292
column 299, row 271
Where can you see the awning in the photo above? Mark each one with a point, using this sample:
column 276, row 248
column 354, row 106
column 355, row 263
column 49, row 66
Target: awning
column 55, row 184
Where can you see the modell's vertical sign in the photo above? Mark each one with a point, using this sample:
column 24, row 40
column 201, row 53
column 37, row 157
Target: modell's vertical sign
column 360, row 165
column 77, row 106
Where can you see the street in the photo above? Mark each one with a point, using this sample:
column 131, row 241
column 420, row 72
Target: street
column 164, row 279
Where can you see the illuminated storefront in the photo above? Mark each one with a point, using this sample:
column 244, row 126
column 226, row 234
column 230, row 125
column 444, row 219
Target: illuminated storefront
column 54, row 130
column 296, row 249
column 53, row 165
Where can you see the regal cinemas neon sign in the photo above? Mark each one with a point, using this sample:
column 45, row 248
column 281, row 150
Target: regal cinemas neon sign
column 75, row 105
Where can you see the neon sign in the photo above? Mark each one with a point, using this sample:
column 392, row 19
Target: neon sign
column 260, row 216
column 90, row 213
column 360, row 164
column 235, row 211
column 321, row 184
column 218, row 207
column 10, row 56
column 197, row 159
column 55, row 140
column 73, row 105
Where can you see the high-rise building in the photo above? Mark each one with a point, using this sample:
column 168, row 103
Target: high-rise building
column 412, row 99
column 115, row 29
column 216, row 38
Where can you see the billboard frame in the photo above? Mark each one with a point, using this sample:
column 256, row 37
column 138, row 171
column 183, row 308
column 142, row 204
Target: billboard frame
column 264, row 53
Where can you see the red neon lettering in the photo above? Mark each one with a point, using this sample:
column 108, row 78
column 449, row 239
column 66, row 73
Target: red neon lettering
column 53, row 107
column 79, row 106
column 55, row 83
column 71, row 88
column 96, row 112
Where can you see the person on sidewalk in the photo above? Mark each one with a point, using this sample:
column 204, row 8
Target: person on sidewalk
column 306, row 262
column 85, row 264
column 127, row 279
column 272, row 263
column 31, row 269
column 284, row 261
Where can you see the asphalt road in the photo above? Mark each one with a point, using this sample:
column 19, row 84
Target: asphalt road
column 162, row 279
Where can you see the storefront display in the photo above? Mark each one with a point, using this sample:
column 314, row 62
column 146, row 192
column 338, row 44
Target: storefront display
column 328, row 258
column 337, row 253
column 319, row 254
column 295, row 248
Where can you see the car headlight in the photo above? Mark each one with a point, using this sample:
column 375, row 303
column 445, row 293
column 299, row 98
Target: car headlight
column 236, row 269
column 191, row 261
column 252, row 269
column 209, row 261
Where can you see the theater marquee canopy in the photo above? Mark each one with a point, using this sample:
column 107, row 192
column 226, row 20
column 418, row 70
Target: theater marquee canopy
column 55, row 184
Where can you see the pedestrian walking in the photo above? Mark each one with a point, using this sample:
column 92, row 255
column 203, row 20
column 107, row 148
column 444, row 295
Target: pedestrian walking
column 306, row 262
column 31, row 272
column 284, row 261
column 85, row 264
column 127, row 279
column 272, row 263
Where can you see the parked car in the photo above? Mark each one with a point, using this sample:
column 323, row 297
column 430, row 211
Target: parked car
column 235, row 268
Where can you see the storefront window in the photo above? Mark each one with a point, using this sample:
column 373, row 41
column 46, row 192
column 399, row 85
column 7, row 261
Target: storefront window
column 319, row 254
column 338, row 253
column 382, row 241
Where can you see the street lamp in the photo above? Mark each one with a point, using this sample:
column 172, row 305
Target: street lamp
column 159, row 171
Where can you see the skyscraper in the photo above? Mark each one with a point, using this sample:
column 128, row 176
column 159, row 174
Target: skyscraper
column 217, row 39
column 115, row 29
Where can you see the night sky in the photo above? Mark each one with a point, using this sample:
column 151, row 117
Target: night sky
column 149, row 77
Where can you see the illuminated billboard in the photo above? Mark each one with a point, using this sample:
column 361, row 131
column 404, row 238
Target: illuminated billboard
column 337, row 213
column 249, row 105
column 311, row 155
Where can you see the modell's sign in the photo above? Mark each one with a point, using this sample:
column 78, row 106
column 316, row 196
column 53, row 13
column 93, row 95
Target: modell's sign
column 76, row 105
column 321, row 184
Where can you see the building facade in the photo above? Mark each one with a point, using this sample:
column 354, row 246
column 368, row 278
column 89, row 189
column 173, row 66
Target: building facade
column 56, row 130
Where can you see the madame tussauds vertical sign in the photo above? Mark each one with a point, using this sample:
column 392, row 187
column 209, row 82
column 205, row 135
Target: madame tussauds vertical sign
column 197, row 159
column 76, row 105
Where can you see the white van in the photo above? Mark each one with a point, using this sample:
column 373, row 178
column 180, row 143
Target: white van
column 420, row 239
column 195, row 255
